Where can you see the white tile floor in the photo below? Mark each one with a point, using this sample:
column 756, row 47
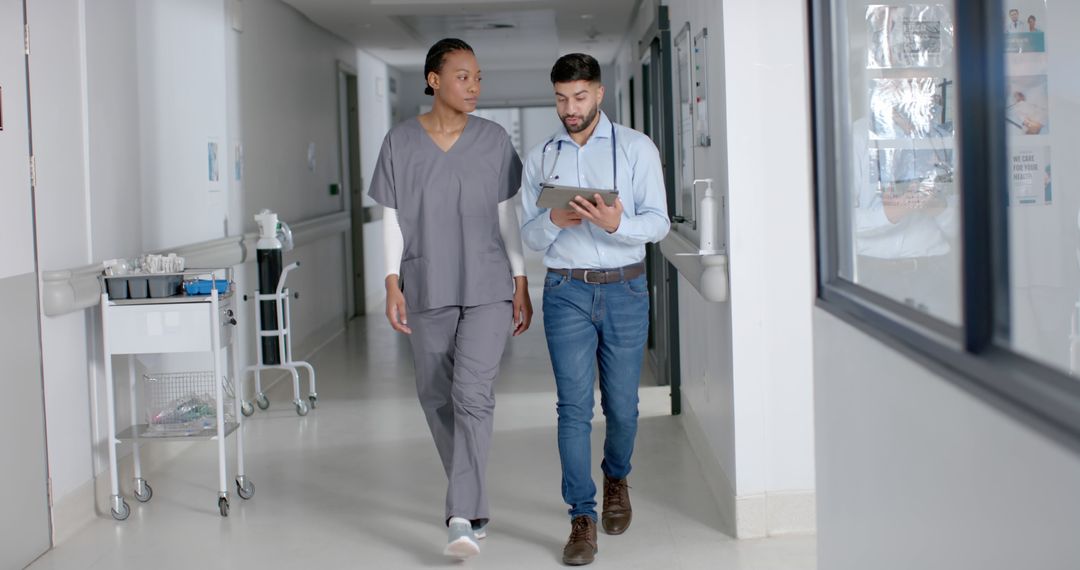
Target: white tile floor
column 357, row 484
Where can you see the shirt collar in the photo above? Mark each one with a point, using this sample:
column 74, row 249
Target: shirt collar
column 602, row 131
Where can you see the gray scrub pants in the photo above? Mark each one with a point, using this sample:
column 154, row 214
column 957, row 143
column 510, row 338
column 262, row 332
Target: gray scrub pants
column 456, row 353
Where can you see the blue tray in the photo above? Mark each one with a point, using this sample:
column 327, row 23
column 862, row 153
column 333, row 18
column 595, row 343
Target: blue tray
column 202, row 286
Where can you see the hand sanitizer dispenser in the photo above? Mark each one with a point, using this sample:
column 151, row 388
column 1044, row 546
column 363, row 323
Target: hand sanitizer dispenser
column 707, row 219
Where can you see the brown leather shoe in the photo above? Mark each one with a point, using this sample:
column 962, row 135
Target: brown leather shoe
column 617, row 512
column 581, row 548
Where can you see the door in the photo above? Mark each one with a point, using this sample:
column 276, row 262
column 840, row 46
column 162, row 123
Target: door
column 355, row 185
column 658, row 116
column 25, row 530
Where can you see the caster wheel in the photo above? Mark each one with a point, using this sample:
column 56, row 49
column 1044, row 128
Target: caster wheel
column 247, row 409
column 262, row 401
column 246, row 491
column 123, row 513
column 143, row 491
column 301, row 408
column 314, row 400
column 223, row 506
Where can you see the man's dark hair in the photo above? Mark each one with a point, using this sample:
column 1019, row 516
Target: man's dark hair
column 436, row 56
column 575, row 67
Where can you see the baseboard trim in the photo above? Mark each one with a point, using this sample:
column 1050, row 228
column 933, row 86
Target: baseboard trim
column 762, row 515
column 776, row 514
column 72, row 512
column 723, row 491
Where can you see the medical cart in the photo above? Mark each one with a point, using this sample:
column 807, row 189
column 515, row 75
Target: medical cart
column 177, row 323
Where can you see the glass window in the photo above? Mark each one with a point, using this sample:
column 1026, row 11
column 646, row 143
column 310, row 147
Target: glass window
column 895, row 116
column 1042, row 123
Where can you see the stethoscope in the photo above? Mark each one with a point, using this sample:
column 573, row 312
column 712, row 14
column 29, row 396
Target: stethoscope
column 558, row 151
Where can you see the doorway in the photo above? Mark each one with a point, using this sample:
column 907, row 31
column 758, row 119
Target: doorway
column 663, row 344
column 354, row 188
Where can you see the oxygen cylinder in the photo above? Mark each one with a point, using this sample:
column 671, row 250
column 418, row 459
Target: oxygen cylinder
column 268, row 257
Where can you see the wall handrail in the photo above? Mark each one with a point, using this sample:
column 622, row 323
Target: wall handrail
column 74, row 289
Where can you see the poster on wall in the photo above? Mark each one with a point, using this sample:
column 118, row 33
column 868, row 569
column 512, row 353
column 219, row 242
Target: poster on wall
column 213, row 164
column 238, row 161
column 1027, row 110
column 1025, row 26
column 1029, row 177
column 908, row 36
column 910, row 108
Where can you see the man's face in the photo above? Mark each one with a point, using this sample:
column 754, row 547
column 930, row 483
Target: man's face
column 1014, row 15
column 578, row 103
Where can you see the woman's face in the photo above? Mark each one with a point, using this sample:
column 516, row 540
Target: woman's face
column 457, row 85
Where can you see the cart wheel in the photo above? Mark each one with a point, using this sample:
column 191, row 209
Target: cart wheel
column 143, row 491
column 247, row 409
column 123, row 513
column 245, row 491
column 223, row 506
column 262, row 401
column 301, row 408
column 314, row 400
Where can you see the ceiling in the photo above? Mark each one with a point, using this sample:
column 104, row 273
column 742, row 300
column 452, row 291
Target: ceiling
column 506, row 34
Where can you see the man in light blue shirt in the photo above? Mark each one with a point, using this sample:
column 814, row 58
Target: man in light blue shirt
column 596, row 299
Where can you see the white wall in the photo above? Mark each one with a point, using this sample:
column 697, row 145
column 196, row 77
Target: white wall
column 914, row 472
column 182, row 103
column 746, row 364
column 126, row 97
column 373, row 92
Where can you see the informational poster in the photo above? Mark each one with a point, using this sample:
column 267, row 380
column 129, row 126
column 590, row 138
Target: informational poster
column 213, row 164
column 1029, row 177
column 1027, row 110
column 1025, row 26
column 908, row 36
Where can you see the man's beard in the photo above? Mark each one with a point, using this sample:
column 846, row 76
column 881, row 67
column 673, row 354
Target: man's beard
column 585, row 122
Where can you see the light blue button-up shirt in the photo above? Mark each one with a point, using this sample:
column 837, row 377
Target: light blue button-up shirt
column 641, row 189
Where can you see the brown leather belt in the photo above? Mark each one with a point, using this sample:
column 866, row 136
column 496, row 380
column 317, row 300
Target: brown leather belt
column 603, row 276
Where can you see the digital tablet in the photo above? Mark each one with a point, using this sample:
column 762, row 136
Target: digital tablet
column 553, row 196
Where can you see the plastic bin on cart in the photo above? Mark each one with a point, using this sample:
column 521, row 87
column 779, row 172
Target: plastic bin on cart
column 117, row 287
column 137, row 287
column 161, row 286
column 202, row 286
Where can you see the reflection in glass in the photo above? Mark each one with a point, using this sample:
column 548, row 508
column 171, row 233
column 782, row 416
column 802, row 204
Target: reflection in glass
column 902, row 199
column 1042, row 49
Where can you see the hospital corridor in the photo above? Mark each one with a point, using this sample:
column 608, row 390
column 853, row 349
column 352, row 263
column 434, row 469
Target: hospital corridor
column 525, row 284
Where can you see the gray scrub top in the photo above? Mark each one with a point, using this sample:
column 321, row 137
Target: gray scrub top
column 447, row 206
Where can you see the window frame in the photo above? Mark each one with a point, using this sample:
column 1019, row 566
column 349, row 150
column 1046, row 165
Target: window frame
column 974, row 356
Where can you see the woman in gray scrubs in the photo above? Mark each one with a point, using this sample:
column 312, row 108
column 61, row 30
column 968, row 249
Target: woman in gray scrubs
column 455, row 273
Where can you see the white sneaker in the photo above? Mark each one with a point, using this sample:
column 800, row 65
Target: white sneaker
column 461, row 541
column 480, row 531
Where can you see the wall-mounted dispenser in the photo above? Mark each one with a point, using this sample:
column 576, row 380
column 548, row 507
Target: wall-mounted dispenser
column 709, row 275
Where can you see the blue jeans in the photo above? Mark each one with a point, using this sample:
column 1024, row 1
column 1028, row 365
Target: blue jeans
column 586, row 324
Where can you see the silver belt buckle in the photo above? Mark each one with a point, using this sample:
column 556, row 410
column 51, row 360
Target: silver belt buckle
column 585, row 277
